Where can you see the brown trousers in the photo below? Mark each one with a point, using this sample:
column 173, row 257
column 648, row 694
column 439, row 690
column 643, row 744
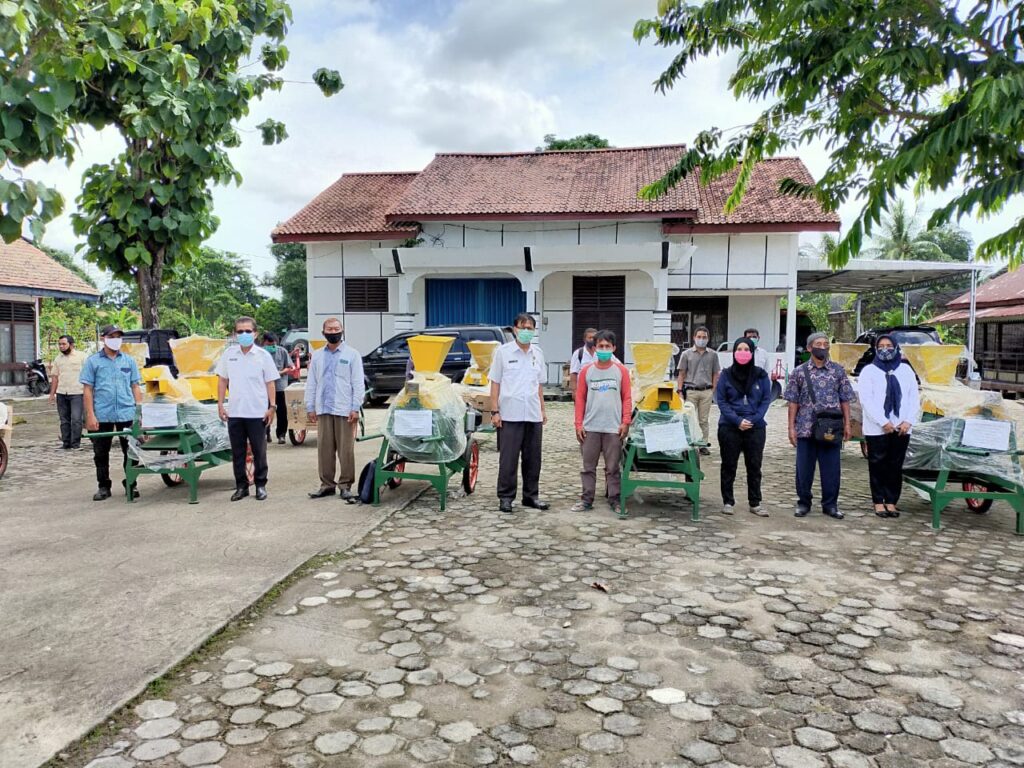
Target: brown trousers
column 596, row 444
column 335, row 439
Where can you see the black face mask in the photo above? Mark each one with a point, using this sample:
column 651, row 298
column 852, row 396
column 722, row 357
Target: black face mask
column 819, row 354
column 590, row 344
column 333, row 338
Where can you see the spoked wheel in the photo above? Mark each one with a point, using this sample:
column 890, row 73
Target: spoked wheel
column 170, row 480
column 250, row 466
column 398, row 466
column 3, row 458
column 977, row 506
column 297, row 436
column 472, row 470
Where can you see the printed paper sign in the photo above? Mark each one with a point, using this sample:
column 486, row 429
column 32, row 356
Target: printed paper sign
column 987, row 434
column 665, row 438
column 159, row 415
column 413, row 423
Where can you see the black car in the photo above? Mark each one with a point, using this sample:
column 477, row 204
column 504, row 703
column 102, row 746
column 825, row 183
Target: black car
column 385, row 366
column 902, row 334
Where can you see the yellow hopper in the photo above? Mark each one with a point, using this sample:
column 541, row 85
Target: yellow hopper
column 652, row 361
column 483, row 354
column 428, row 352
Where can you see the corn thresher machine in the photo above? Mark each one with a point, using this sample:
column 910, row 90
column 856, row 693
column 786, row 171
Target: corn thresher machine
column 661, row 439
column 428, row 423
column 177, row 433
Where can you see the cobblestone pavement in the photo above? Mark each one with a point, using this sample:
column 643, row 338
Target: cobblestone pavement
column 576, row 640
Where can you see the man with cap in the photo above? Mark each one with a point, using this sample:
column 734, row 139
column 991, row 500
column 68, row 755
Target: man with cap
column 816, row 386
column 110, row 391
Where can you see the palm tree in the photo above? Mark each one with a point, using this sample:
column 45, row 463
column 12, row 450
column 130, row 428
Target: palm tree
column 824, row 248
column 902, row 238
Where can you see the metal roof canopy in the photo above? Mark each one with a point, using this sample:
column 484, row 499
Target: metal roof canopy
column 814, row 275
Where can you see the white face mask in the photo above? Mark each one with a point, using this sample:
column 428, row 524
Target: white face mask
column 113, row 342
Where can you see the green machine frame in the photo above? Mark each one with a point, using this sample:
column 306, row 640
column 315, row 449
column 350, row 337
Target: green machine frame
column 636, row 460
column 182, row 441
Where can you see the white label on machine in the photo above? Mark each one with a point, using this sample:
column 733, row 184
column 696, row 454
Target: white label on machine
column 665, row 438
column 159, row 415
column 413, row 423
column 988, row 434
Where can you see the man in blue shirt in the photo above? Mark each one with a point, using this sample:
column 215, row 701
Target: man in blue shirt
column 110, row 391
column 334, row 395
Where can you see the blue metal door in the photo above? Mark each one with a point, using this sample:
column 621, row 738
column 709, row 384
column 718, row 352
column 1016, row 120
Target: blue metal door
column 492, row 301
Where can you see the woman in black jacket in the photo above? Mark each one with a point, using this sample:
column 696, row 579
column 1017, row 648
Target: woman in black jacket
column 743, row 394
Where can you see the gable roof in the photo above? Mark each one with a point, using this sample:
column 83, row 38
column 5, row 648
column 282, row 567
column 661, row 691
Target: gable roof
column 27, row 270
column 352, row 208
column 562, row 185
column 999, row 298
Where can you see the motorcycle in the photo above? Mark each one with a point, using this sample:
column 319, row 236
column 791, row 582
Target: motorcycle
column 36, row 379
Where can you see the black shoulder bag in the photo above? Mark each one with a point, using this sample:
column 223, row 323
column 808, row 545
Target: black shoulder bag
column 829, row 423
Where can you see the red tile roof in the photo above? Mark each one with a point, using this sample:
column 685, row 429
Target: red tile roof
column 352, row 208
column 569, row 184
column 1005, row 290
column 1009, row 312
column 26, row 269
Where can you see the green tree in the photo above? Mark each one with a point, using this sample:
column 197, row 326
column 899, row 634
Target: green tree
column 207, row 293
column 583, row 141
column 270, row 316
column 67, row 261
column 79, row 319
column 169, row 75
column 289, row 277
column 900, row 238
column 903, row 93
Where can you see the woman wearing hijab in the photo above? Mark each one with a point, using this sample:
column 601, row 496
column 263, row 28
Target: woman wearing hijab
column 744, row 393
column 890, row 401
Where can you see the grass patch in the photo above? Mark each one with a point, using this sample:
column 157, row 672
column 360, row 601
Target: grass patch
column 106, row 732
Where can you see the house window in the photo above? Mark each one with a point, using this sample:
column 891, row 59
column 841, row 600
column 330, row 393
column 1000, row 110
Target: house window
column 17, row 340
column 366, row 294
column 599, row 302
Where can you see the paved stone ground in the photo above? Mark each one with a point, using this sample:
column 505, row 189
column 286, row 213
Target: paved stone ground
column 472, row 638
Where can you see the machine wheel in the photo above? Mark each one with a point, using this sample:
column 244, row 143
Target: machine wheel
column 864, row 448
column 171, row 481
column 37, row 387
column 977, row 506
column 366, row 481
column 250, row 466
column 472, row 470
column 3, row 458
column 297, row 436
column 398, row 465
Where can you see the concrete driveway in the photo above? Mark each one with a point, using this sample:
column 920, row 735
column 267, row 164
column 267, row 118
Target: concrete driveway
column 97, row 599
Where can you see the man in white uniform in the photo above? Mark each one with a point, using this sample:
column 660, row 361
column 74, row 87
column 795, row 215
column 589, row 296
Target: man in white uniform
column 581, row 357
column 517, row 404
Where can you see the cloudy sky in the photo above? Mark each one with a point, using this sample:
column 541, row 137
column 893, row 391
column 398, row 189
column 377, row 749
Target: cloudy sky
column 427, row 76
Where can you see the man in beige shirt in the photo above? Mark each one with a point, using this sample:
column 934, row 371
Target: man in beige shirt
column 66, row 392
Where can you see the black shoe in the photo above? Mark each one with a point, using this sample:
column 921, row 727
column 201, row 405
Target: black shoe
column 536, row 504
column 348, row 497
column 704, row 451
column 101, row 494
column 322, row 493
column 239, row 494
column 801, row 511
column 833, row 513
column 505, row 505
column 261, row 493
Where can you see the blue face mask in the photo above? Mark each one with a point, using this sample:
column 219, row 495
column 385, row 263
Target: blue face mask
column 246, row 338
column 604, row 355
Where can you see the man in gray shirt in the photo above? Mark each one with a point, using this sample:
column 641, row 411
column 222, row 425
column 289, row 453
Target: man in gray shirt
column 698, row 377
column 283, row 363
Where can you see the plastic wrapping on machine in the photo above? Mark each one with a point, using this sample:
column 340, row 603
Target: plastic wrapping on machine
column 937, row 445
column 446, row 440
column 685, row 418
column 197, row 354
column 847, row 354
column 201, row 418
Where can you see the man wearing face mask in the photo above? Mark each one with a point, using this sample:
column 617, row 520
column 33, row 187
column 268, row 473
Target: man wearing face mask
column 517, row 404
column 110, row 391
column 250, row 374
column 816, row 389
column 581, row 357
column 334, row 393
column 283, row 363
column 699, row 369
column 66, row 392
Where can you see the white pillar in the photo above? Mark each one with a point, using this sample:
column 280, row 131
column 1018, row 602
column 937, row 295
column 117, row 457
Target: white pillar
column 662, row 330
column 405, row 322
column 906, row 307
column 971, row 319
column 860, row 326
column 791, row 327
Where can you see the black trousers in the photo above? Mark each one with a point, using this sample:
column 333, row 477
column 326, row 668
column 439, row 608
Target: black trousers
column 282, row 415
column 519, row 438
column 733, row 442
column 886, row 454
column 251, row 433
column 101, row 450
column 69, row 409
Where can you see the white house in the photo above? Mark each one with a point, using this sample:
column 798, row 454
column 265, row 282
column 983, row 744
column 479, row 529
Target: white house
column 477, row 238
